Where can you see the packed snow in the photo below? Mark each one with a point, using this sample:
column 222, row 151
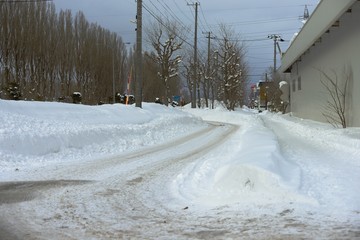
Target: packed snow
column 33, row 134
column 270, row 165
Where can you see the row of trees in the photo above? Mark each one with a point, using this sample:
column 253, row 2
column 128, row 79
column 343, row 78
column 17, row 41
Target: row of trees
column 221, row 76
column 45, row 55
column 48, row 55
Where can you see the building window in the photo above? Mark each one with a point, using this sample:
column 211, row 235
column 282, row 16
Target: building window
column 299, row 83
column 294, row 85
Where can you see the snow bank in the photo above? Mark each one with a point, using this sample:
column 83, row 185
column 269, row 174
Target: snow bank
column 270, row 159
column 251, row 169
column 333, row 140
column 38, row 133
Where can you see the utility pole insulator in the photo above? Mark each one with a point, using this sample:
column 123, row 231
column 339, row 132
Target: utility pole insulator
column 306, row 13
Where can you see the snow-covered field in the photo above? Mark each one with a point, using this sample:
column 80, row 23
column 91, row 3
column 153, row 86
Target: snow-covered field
column 114, row 171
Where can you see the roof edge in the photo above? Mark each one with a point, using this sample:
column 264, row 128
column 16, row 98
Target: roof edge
column 325, row 14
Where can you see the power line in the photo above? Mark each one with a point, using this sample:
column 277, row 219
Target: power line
column 167, row 10
column 158, row 19
column 170, row 11
column 162, row 13
column 23, row 1
column 202, row 13
column 257, row 8
column 270, row 59
column 201, row 23
column 176, row 18
column 273, row 29
column 164, row 10
column 262, row 21
column 177, row 6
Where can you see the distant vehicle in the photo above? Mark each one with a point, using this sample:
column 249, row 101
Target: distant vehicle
column 157, row 100
column 127, row 99
column 264, row 100
column 174, row 103
column 77, row 97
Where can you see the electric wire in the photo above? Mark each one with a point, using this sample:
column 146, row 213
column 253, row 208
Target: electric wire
column 250, row 37
column 181, row 11
column 146, row 8
column 259, row 7
column 23, row 1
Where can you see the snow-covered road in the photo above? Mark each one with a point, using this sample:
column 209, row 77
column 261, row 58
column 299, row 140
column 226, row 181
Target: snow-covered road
column 238, row 175
column 123, row 192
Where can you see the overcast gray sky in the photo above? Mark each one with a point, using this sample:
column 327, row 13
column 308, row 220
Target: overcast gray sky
column 252, row 20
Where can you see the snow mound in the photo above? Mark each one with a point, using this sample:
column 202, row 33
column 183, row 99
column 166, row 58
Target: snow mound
column 39, row 133
column 253, row 173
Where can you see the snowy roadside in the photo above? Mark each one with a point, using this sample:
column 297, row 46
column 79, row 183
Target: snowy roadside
column 279, row 160
column 273, row 174
column 37, row 134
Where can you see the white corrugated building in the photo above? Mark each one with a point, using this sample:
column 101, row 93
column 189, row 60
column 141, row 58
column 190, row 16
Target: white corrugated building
column 329, row 42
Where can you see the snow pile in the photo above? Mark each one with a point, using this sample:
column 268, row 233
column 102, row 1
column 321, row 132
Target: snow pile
column 270, row 159
column 38, row 133
column 252, row 170
column 333, row 140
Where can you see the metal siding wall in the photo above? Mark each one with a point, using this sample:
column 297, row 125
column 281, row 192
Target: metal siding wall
column 339, row 49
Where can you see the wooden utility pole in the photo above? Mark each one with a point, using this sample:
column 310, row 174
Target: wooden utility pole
column 274, row 56
column 276, row 39
column 113, row 77
column 207, row 79
column 208, row 59
column 193, row 100
column 139, row 62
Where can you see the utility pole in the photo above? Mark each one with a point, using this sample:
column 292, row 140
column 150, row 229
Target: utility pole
column 193, row 100
column 113, row 77
column 276, row 39
column 208, row 69
column 139, row 63
column 274, row 55
column 208, row 60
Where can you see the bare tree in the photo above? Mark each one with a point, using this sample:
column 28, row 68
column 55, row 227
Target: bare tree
column 66, row 53
column 166, row 41
column 46, row 55
column 152, row 88
column 5, row 44
column 233, row 68
column 187, row 71
column 337, row 89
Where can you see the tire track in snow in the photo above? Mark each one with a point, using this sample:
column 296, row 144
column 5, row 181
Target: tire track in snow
column 76, row 203
column 99, row 169
column 131, row 204
column 135, row 205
